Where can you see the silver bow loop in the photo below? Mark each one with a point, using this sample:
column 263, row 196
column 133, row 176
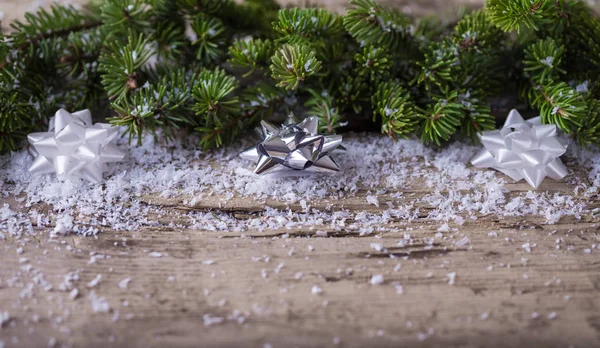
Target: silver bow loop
column 74, row 148
column 295, row 145
column 523, row 150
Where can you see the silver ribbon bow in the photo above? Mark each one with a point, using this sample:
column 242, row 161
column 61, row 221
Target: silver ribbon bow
column 523, row 150
column 73, row 148
column 295, row 145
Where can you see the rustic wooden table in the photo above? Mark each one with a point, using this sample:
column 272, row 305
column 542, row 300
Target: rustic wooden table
column 491, row 282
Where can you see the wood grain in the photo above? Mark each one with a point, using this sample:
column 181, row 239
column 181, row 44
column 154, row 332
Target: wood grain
column 502, row 295
column 260, row 283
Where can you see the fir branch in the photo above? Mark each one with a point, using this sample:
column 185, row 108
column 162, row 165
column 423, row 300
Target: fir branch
column 210, row 40
column 251, row 53
column 477, row 115
column 436, row 68
column 122, row 66
column 164, row 104
column 399, row 115
column 322, row 105
column 293, row 64
column 442, row 120
column 513, row 15
column 373, row 63
column 589, row 132
column 44, row 25
column 16, row 115
column 123, row 17
column 561, row 105
column 305, row 26
column 371, row 24
column 543, row 60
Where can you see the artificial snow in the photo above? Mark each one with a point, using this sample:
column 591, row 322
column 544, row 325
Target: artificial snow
column 454, row 193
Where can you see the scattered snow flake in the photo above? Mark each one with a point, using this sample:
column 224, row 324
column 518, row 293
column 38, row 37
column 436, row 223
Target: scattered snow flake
column 373, row 200
column 124, row 284
column 376, row 279
column 155, row 254
column 210, row 319
column 315, row 290
column 94, row 281
column 451, row 277
column 99, row 304
column 462, row 242
column 74, row 293
column 552, row 315
column 208, row 262
column 527, row 247
column 4, row 319
column 399, row 288
column 377, row 247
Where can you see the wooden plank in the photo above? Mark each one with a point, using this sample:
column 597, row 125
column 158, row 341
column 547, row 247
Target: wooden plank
column 498, row 286
column 517, row 281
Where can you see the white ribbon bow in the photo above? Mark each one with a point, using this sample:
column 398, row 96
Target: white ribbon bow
column 73, row 148
column 523, row 150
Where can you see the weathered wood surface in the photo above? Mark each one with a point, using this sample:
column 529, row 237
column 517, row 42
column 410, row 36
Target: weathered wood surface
column 502, row 295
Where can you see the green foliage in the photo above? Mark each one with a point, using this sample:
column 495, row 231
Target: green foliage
column 293, row 64
column 371, row 24
column 123, row 66
column 218, row 67
column 210, row 42
column 442, row 120
column 251, row 53
column 399, row 116
column 543, row 60
column 322, row 105
column 513, row 15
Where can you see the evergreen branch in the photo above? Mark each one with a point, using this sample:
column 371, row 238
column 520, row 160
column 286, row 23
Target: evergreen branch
column 194, row 7
column 251, row 53
column 371, row 24
column 561, row 105
column 542, row 61
column 399, row 115
column 44, row 25
column 257, row 102
column 210, row 39
column 373, row 63
column 16, row 115
column 321, row 105
column 513, row 15
column 589, row 132
column 442, row 120
column 477, row 115
column 122, row 66
column 215, row 100
column 475, row 32
column 436, row 67
column 291, row 65
column 124, row 17
column 304, row 26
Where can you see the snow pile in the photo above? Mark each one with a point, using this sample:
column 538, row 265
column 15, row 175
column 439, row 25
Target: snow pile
column 383, row 172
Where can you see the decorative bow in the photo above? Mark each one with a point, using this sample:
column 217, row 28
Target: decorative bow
column 73, row 148
column 295, row 145
column 523, row 150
